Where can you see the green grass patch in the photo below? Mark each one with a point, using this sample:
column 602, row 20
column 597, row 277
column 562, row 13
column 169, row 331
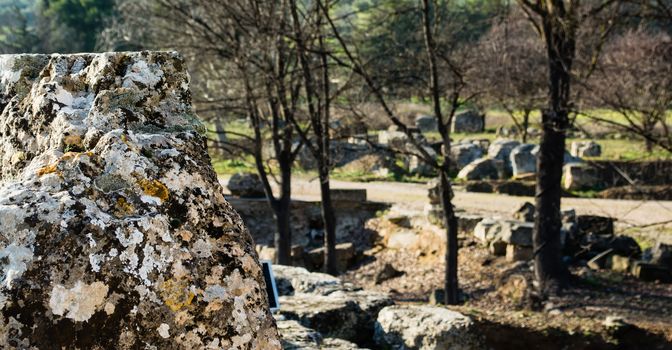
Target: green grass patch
column 233, row 166
column 626, row 149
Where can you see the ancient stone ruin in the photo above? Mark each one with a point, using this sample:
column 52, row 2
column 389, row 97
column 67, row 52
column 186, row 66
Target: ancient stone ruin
column 114, row 231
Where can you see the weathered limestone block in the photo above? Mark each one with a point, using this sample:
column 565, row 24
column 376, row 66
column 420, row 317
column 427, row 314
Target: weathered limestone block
column 464, row 153
column 292, row 279
column 246, row 185
column 481, row 169
column 468, row 121
column 344, row 314
column 425, row 328
column 114, row 230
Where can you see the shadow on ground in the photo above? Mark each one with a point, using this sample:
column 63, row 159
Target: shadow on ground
column 505, row 337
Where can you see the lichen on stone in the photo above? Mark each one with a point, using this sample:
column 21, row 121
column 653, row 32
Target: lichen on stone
column 114, row 233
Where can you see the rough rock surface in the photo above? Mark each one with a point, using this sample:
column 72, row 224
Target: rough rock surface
column 425, row 328
column 115, row 233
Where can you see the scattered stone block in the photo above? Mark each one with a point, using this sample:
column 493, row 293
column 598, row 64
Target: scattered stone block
column 518, row 253
column 426, row 123
column 464, row 153
column 481, row 169
column 517, row 233
column 424, row 328
column 393, row 139
column 246, row 185
column 579, row 176
column 583, row 149
column 501, row 150
column 523, row 160
column 291, row 279
column 470, row 121
column 348, row 315
column 488, row 230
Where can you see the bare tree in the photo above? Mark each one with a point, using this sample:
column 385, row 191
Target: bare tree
column 445, row 86
column 558, row 23
column 634, row 79
column 309, row 43
column 238, row 49
column 509, row 69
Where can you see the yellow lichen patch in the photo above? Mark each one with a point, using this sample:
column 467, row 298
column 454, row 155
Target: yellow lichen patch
column 186, row 235
column 69, row 156
column 154, row 188
column 123, row 208
column 176, row 294
column 49, row 169
column 17, row 158
column 72, row 140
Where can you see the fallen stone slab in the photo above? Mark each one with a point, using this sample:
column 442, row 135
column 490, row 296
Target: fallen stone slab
column 517, row 232
column 292, row 279
column 481, row 169
column 348, row 315
column 116, row 234
column 425, row 327
column 294, row 336
column 297, row 337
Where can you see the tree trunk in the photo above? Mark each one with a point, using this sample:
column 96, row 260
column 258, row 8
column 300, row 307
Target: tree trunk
column 451, row 285
column 451, row 282
column 549, row 269
column 329, row 219
column 550, row 272
column 526, row 124
column 283, row 211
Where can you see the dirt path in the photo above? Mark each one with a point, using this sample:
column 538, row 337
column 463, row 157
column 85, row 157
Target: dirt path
column 413, row 197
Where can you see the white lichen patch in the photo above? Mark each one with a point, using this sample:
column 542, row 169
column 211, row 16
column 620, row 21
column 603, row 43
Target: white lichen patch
column 78, row 303
column 164, row 330
column 17, row 258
